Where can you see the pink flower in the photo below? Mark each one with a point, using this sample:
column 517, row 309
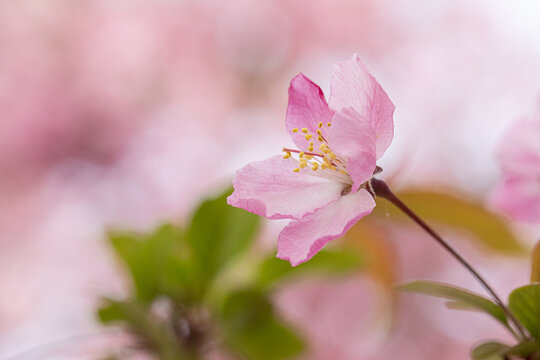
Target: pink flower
column 322, row 188
column 518, row 193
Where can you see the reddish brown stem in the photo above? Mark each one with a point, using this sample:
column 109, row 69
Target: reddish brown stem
column 381, row 189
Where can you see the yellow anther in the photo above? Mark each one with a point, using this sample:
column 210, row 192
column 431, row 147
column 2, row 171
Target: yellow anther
column 311, row 143
column 324, row 166
column 304, row 130
column 303, row 164
column 333, row 167
column 315, row 166
column 327, row 160
column 343, row 172
column 295, row 130
column 329, row 124
column 332, row 155
column 286, row 156
column 301, row 155
column 308, row 157
column 319, row 132
column 320, row 138
column 310, row 148
column 326, row 150
column 322, row 146
column 296, row 170
column 308, row 136
column 320, row 124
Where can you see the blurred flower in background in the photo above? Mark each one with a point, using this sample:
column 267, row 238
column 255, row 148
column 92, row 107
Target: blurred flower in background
column 126, row 114
column 518, row 194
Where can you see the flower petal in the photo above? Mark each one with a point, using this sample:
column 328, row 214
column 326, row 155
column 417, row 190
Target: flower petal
column 307, row 107
column 519, row 197
column 352, row 138
column 302, row 239
column 271, row 189
column 519, row 151
column 353, row 86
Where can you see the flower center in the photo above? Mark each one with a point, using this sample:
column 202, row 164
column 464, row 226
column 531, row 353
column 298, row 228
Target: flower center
column 320, row 160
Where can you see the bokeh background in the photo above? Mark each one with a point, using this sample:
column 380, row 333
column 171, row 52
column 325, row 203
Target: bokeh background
column 127, row 114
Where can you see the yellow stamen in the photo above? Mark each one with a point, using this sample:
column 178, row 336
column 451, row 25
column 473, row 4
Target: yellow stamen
column 320, row 124
column 308, row 157
column 286, row 156
column 308, row 136
column 332, row 155
column 304, row 130
column 322, row 146
column 315, row 166
column 320, row 138
column 310, row 148
column 296, row 170
column 324, row 166
column 329, row 124
column 303, row 164
column 319, row 132
column 295, row 130
column 301, row 155
column 343, row 172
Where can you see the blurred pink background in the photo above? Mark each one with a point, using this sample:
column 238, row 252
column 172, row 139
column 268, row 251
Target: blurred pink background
column 127, row 113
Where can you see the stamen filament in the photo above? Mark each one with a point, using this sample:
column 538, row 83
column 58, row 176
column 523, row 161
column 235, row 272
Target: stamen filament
column 305, row 152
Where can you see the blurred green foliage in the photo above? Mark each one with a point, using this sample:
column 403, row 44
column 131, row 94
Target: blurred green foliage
column 207, row 286
column 187, row 295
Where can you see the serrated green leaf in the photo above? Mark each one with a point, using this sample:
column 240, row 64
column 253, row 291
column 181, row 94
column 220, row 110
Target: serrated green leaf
column 524, row 303
column 325, row 262
column 490, row 351
column 219, row 233
column 461, row 213
column 458, row 295
column 251, row 328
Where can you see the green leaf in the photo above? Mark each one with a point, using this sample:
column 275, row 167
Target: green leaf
column 525, row 350
column 111, row 312
column 490, row 351
column 460, row 296
column 535, row 268
column 461, row 213
column 219, row 233
column 159, row 263
column 524, row 303
column 130, row 248
column 326, row 262
column 251, row 328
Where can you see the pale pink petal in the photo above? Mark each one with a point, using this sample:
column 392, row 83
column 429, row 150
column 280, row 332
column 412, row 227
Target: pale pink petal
column 271, row 189
column 520, row 198
column 519, row 151
column 352, row 139
column 302, row 239
column 307, row 107
column 353, row 86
